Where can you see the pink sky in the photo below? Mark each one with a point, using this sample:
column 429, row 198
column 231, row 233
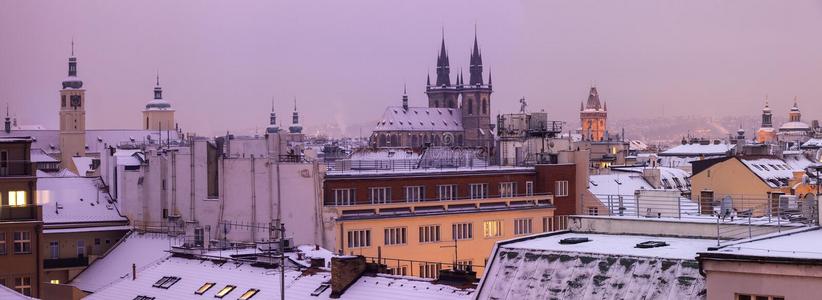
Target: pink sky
column 221, row 62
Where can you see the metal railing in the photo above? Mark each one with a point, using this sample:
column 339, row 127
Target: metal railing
column 376, row 166
column 72, row 262
column 16, row 168
column 418, row 268
column 405, row 201
column 736, row 216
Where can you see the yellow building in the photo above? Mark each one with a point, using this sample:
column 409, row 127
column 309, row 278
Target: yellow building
column 593, row 117
column 749, row 182
column 72, row 116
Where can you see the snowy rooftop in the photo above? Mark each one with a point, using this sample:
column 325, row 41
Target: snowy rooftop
column 83, row 164
column 606, row 267
column 395, row 118
column 697, row 149
column 813, row 143
column 139, row 249
column 617, row 244
column 383, row 154
column 194, row 273
column 9, row 294
column 671, row 178
column 38, row 155
column 617, row 184
column 775, row 172
column 805, row 244
column 75, row 199
column 129, row 157
column 96, row 139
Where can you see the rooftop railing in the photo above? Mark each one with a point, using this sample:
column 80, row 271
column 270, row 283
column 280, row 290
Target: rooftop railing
column 16, row 168
column 10, row 213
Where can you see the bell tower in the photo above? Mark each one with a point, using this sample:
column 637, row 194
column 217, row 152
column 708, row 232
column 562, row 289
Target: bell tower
column 72, row 116
column 593, row 117
column 476, row 103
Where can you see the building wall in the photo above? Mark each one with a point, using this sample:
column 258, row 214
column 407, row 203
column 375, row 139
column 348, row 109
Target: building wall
column 14, row 265
column 160, row 120
column 68, row 249
column 72, row 127
column 398, row 181
column 476, row 250
column 731, row 178
column 593, row 125
column 547, row 177
column 791, row 281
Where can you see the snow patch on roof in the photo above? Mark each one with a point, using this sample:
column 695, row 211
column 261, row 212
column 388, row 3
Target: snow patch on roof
column 775, row 172
column 75, row 200
column 139, row 249
column 697, row 149
column 395, row 118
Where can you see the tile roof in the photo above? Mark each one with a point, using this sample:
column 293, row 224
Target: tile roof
column 395, row 118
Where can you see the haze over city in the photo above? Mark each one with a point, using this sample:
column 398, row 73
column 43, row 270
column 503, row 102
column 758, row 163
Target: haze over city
column 222, row 63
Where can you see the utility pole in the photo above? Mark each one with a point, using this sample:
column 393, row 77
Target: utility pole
column 282, row 261
column 455, row 252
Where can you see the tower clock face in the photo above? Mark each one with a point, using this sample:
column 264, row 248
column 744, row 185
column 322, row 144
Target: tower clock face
column 75, row 101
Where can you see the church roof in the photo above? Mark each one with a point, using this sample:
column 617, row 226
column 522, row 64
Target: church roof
column 395, row 118
column 593, row 99
column 794, row 126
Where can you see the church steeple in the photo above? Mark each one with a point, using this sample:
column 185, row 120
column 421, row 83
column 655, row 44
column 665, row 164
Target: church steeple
column 475, row 68
column 272, row 120
column 443, row 66
column 72, row 81
column 404, row 98
column 295, row 120
column 767, row 117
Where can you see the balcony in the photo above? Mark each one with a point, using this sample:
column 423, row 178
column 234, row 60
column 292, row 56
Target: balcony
column 21, row 213
column 456, row 206
column 59, row 263
column 16, row 168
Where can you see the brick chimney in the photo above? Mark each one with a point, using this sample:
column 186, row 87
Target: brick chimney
column 345, row 271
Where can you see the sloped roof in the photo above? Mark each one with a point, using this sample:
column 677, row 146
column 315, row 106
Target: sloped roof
column 38, row 155
column 139, row 249
column 49, row 140
column 9, row 294
column 193, row 273
column 75, row 200
column 606, row 267
column 697, row 149
column 775, row 172
column 804, row 244
column 395, row 118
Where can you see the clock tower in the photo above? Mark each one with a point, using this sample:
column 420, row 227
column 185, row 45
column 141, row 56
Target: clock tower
column 72, row 116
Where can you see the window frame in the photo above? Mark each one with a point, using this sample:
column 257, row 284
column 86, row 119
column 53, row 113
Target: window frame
column 561, row 188
column 22, row 285
column 417, row 190
column 431, row 233
column 393, row 236
column 344, row 196
column 379, row 195
column 523, row 226
column 529, row 188
column 487, row 231
column 446, row 192
column 3, row 243
column 508, row 192
column 359, row 238
column 24, row 242
column 204, row 288
column 478, row 190
column 462, row 231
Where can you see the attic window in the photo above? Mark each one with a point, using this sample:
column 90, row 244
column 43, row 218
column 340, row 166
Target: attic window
column 248, row 294
column 757, row 167
column 227, row 289
column 651, row 244
column 765, row 167
column 204, row 288
column 574, row 240
column 166, row 282
column 143, row 298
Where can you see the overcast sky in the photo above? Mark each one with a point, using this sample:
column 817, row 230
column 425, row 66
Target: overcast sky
column 221, row 62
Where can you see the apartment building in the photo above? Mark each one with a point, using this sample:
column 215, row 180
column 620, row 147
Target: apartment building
column 21, row 223
column 424, row 220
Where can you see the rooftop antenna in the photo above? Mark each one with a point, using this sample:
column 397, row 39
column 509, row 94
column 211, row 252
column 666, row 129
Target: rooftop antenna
column 72, row 46
column 158, row 76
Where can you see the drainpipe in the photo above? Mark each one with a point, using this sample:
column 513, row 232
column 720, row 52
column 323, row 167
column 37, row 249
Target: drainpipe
column 253, row 199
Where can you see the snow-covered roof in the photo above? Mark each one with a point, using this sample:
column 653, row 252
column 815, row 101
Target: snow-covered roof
column 617, row 184
column 194, row 273
column 38, row 155
column 671, row 178
column 75, row 200
column 793, row 126
column 9, row 294
column 395, row 118
column 813, row 143
column 83, row 164
column 605, row 267
column 805, row 244
column 96, row 139
column 797, row 161
column 139, row 249
column 637, row 145
column 129, row 157
column 384, row 154
column 697, row 149
column 775, row 172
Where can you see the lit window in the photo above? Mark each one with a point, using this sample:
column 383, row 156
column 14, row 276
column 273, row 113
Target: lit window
column 492, row 228
column 248, row 294
column 429, row 234
column 227, row 289
column 204, row 288
column 17, row 198
column 54, row 281
column 166, row 282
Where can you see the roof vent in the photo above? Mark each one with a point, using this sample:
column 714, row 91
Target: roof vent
column 651, row 244
column 574, row 240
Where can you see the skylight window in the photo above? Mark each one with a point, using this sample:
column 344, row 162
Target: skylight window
column 143, row 298
column 574, row 240
column 765, row 167
column 227, row 289
column 248, row 294
column 651, row 244
column 207, row 286
column 166, row 282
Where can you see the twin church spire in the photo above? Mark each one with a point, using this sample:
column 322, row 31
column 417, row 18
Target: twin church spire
column 444, row 68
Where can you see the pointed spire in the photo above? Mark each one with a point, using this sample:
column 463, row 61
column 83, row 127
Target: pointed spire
column 428, row 80
column 443, row 65
column 475, row 66
column 72, row 46
column 158, row 77
column 295, row 103
column 404, row 97
column 489, row 77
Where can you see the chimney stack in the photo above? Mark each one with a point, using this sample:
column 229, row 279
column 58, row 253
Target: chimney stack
column 345, row 271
